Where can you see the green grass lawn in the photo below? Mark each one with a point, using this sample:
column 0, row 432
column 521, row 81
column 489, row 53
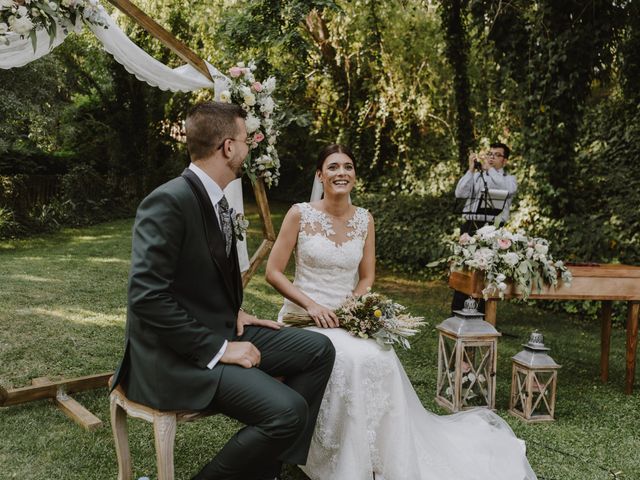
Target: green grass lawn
column 62, row 314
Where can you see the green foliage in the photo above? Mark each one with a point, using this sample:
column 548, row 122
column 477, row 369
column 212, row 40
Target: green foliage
column 410, row 230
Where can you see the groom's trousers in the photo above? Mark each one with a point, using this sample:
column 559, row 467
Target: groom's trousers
column 279, row 416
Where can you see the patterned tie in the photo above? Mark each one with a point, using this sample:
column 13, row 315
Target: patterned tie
column 225, row 223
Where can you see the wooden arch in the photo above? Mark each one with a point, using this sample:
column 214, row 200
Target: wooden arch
column 186, row 54
column 43, row 388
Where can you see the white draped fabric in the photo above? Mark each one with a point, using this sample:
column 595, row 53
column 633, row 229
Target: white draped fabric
column 136, row 61
column 20, row 51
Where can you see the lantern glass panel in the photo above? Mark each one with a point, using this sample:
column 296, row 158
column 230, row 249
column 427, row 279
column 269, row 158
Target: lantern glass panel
column 541, row 393
column 476, row 367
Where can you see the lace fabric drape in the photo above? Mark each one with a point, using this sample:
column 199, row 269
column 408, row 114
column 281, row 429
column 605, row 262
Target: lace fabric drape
column 371, row 419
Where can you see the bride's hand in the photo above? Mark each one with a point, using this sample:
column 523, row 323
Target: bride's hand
column 323, row 317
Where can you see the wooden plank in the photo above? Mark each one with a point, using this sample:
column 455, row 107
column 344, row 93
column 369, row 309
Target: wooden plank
column 256, row 260
column 72, row 408
column 263, row 208
column 158, row 31
column 605, row 339
column 50, row 390
column 582, row 287
column 79, row 414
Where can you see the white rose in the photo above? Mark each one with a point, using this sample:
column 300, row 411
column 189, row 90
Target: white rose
column 500, row 277
column 529, row 253
column 250, row 99
column 252, row 122
column 6, row 4
column 511, row 259
column 53, row 6
column 269, row 85
column 244, row 91
column 22, row 11
column 267, row 105
column 22, row 25
column 225, row 96
column 541, row 248
column 502, row 286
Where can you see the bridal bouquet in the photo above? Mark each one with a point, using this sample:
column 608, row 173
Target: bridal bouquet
column 255, row 98
column 503, row 255
column 25, row 17
column 371, row 315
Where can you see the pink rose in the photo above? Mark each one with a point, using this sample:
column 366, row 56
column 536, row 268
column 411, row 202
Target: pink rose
column 504, row 243
column 235, row 71
column 466, row 368
column 465, row 239
column 257, row 86
column 258, row 137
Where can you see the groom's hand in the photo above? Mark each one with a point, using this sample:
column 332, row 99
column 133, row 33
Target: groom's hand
column 244, row 354
column 245, row 319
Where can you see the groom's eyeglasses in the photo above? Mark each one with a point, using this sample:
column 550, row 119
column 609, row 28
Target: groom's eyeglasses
column 223, row 142
column 229, row 138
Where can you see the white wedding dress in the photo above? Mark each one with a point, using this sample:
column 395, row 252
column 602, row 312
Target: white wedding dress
column 371, row 419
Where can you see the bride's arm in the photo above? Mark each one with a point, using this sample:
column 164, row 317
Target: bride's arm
column 277, row 263
column 367, row 267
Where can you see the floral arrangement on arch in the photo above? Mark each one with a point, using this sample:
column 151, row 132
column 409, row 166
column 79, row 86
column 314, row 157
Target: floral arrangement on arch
column 503, row 255
column 25, row 17
column 255, row 98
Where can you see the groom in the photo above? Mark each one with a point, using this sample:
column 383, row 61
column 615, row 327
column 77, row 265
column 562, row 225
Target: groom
column 189, row 345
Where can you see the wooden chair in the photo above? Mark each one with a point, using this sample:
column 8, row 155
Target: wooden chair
column 164, row 430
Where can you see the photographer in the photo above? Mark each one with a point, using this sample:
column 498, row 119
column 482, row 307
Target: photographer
column 486, row 172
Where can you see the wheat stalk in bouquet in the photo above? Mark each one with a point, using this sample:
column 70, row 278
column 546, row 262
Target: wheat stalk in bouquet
column 371, row 315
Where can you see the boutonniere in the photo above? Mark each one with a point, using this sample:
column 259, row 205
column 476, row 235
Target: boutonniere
column 240, row 224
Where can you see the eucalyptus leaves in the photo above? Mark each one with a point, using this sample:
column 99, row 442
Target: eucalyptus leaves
column 26, row 17
column 506, row 256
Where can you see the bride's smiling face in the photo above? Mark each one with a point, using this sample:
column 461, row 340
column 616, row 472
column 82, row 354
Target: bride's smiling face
column 338, row 174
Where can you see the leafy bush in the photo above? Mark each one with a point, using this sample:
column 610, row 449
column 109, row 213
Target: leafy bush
column 410, row 230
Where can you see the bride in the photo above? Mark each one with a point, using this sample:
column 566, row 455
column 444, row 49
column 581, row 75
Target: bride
column 371, row 423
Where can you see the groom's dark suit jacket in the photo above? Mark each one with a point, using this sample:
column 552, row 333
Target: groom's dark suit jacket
column 184, row 296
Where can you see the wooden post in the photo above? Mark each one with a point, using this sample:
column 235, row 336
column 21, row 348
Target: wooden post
column 158, row 31
column 491, row 311
column 605, row 339
column 633, row 310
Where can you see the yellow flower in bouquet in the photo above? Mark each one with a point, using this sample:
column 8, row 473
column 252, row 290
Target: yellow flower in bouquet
column 371, row 315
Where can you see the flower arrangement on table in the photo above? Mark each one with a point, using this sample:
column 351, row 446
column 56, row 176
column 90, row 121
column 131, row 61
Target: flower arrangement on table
column 255, row 98
column 503, row 255
column 25, row 17
column 371, row 315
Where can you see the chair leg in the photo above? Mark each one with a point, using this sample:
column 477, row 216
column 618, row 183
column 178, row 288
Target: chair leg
column 121, row 440
column 164, row 429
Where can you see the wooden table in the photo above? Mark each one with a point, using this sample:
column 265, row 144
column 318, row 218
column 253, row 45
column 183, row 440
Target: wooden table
column 590, row 282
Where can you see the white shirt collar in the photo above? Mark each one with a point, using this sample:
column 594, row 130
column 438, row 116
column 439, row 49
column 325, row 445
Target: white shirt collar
column 213, row 189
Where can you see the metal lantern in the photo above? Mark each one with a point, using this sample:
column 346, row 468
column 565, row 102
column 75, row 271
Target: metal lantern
column 467, row 356
column 533, row 382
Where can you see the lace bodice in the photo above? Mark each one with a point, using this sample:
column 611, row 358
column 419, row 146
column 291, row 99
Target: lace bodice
column 327, row 256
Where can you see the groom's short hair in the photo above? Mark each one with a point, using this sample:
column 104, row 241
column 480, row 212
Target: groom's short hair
column 208, row 125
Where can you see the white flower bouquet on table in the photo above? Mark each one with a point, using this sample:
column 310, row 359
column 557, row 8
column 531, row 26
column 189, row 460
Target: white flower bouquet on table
column 255, row 98
column 25, row 17
column 371, row 315
column 503, row 255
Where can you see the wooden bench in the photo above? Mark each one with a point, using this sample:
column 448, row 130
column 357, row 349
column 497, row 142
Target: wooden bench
column 164, row 431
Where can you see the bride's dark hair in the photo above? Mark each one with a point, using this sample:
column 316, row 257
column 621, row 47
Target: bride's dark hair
column 331, row 149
